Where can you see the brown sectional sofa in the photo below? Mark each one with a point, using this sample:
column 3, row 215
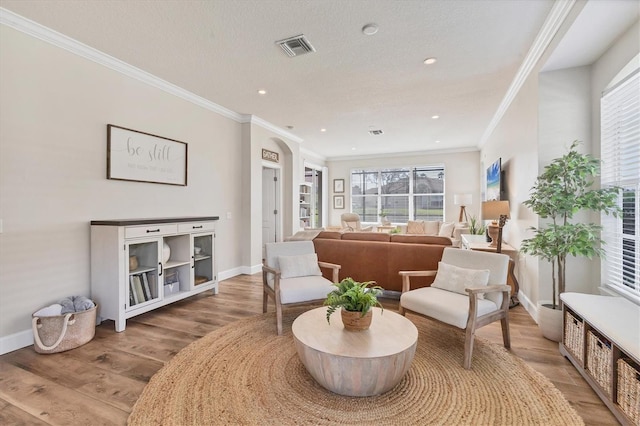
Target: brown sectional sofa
column 373, row 256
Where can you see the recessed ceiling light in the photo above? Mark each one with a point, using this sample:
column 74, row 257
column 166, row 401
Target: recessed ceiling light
column 289, row 127
column 353, row 148
column 262, row 92
column 437, row 141
column 430, row 61
column 435, row 117
column 370, row 29
column 323, row 130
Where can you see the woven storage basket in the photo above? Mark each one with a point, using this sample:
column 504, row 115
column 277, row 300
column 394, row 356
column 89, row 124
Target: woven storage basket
column 629, row 389
column 599, row 360
column 63, row 332
column 574, row 335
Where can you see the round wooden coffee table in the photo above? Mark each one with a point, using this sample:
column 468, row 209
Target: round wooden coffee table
column 355, row 363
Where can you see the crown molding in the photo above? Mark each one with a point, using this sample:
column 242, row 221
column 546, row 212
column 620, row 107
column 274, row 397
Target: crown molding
column 552, row 24
column 62, row 41
column 254, row 119
column 305, row 151
column 404, row 154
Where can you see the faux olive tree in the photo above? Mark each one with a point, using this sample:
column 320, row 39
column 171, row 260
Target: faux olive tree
column 564, row 188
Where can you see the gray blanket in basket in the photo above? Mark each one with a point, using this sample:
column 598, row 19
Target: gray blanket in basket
column 76, row 304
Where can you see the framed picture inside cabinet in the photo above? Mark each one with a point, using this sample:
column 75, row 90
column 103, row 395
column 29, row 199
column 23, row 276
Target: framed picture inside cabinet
column 338, row 186
column 143, row 157
column 338, row 201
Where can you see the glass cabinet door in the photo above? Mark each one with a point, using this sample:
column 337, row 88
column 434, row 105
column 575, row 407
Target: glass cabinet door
column 203, row 256
column 143, row 272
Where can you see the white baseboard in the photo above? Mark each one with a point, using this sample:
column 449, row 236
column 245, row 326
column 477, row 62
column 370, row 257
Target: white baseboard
column 24, row 338
column 529, row 306
column 16, row 341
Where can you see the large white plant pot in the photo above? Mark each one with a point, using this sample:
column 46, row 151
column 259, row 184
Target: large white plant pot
column 550, row 322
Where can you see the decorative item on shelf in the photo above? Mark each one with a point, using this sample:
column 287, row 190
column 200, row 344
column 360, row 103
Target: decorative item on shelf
column 197, row 250
column 462, row 200
column 559, row 193
column 199, row 279
column 166, row 252
column 133, row 263
column 356, row 300
column 498, row 213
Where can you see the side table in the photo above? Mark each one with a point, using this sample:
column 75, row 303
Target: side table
column 479, row 243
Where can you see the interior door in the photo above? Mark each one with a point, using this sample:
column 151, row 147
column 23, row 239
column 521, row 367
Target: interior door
column 270, row 211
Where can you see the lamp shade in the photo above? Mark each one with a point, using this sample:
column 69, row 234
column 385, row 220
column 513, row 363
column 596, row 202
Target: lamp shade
column 492, row 210
column 462, row 199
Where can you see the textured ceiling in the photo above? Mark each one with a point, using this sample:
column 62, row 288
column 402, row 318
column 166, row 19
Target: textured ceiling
column 224, row 51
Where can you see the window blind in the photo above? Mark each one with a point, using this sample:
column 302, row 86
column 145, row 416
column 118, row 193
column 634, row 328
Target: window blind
column 620, row 152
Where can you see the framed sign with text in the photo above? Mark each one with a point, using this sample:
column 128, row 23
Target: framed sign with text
column 143, row 157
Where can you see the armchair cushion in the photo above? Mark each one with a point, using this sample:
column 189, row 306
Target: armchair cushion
column 446, row 306
column 303, row 289
column 456, row 279
column 302, row 265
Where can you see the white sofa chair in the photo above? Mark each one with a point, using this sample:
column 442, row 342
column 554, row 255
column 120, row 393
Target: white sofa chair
column 469, row 292
column 291, row 275
column 351, row 222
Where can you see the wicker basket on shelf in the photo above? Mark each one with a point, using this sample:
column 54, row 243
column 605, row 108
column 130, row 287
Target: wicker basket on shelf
column 599, row 360
column 629, row 389
column 574, row 335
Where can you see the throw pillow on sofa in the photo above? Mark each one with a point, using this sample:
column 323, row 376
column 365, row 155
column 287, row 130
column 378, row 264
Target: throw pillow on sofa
column 431, row 227
column 302, row 265
column 456, row 279
column 446, row 229
column 415, row 227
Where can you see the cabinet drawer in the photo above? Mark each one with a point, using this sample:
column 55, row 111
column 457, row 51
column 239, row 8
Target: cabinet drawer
column 196, row 226
column 149, row 230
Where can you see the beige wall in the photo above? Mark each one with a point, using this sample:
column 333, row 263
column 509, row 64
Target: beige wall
column 462, row 175
column 550, row 111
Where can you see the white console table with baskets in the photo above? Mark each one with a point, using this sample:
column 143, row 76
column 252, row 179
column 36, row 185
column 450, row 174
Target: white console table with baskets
column 601, row 338
column 142, row 264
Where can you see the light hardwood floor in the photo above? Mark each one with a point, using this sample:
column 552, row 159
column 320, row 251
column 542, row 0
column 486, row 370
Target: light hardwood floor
column 99, row 382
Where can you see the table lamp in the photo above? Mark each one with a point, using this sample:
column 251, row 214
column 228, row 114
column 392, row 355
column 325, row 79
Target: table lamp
column 462, row 200
column 498, row 213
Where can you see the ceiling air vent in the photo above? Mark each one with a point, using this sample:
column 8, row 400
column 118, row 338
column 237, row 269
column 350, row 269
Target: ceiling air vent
column 296, row 46
column 375, row 132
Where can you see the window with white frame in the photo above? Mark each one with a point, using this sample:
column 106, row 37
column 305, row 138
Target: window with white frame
column 399, row 194
column 620, row 151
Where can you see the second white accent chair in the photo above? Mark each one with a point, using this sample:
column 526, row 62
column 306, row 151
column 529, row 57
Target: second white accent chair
column 469, row 292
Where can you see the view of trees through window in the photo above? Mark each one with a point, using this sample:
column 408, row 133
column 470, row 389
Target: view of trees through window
column 400, row 194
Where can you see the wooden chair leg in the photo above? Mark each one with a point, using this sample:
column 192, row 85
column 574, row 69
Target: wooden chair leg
column 265, row 299
column 279, row 318
column 506, row 337
column 468, row 347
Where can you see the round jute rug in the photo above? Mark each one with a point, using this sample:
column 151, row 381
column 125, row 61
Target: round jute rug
column 244, row 374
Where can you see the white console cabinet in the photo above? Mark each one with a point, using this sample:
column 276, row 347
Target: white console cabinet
column 142, row 264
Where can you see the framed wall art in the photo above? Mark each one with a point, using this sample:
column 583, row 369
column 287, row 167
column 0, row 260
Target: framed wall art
column 143, row 157
column 338, row 201
column 338, row 186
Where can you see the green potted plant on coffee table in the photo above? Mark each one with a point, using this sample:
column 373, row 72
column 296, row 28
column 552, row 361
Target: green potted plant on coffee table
column 564, row 188
column 356, row 300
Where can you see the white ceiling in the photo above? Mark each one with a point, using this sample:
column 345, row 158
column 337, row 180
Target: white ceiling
column 224, row 51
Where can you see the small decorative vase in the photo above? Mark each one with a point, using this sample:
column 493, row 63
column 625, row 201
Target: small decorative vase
column 133, row 263
column 166, row 253
column 354, row 321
